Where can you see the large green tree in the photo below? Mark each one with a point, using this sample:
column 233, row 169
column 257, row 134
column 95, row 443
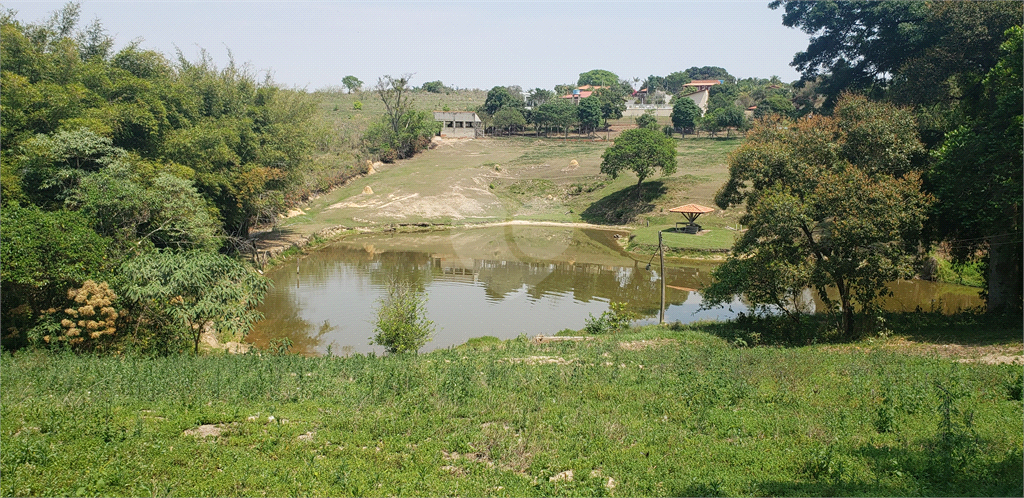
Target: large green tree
column 589, row 113
column 831, row 202
column 509, row 119
column 978, row 180
column 499, row 98
column 642, row 151
column 598, row 77
column 906, row 50
column 685, row 113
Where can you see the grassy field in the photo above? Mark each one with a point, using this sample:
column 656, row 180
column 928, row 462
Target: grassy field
column 653, row 412
column 529, row 178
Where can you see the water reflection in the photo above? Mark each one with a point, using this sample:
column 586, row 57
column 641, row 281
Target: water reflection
column 502, row 281
column 495, row 281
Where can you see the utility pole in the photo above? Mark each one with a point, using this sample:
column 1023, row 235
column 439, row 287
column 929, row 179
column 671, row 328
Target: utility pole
column 661, row 256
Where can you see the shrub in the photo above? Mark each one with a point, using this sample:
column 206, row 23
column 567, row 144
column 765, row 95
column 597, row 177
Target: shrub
column 616, row 319
column 357, row 105
column 401, row 325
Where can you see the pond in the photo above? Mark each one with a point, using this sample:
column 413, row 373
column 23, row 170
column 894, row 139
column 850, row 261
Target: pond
column 500, row 281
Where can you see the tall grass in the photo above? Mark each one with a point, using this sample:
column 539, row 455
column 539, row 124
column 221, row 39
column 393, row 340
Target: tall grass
column 653, row 412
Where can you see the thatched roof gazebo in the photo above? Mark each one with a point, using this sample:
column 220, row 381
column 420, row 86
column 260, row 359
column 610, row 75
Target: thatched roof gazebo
column 691, row 212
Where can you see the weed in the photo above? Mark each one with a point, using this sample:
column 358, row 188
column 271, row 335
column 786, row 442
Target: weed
column 1014, row 386
column 957, row 439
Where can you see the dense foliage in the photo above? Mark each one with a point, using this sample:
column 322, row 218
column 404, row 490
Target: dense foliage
column 957, row 64
column 831, row 202
column 108, row 156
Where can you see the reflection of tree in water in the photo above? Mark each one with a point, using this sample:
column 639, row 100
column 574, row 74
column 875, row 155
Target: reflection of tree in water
column 413, row 268
column 283, row 321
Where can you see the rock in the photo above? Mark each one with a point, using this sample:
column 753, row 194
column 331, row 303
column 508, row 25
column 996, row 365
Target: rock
column 367, row 190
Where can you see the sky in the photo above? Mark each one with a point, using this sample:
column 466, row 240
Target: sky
column 466, row 44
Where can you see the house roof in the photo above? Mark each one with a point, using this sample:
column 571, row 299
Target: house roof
column 590, row 87
column 582, row 94
column 704, row 83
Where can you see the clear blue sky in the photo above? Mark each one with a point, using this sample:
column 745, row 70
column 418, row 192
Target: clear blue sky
column 469, row 44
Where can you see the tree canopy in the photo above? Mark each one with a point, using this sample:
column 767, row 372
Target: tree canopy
column 598, row 77
column 685, row 112
column 642, row 151
column 352, row 83
column 831, row 202
column 499, row 98
column 978, row 180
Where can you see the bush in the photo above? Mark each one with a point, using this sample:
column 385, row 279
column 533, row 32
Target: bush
column 401, row 325
column 357, row 106
column 616, row 319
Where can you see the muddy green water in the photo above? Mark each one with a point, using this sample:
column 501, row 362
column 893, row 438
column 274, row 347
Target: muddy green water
column 498, row 281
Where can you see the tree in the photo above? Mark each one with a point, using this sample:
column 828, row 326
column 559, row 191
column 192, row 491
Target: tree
column 647, row 120
column 508, row 119
column 730, row 117
column 598, row 77
column 589, row 113
column 196, row 289
column 640, row 150
column 434, row 87
column 538, row 96
column 613, row 102
column 165, row 211
column 830, row 202
column 42, row 256
column 881, row 46
column 685, row 113
column 402, row 130
column 673, row 83
column 564, row 89
column 499, row 98
column 775, row 104
column 710, row 73
column 351, row 83
column 978, row 181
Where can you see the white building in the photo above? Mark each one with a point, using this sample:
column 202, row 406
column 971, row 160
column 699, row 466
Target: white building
column 459, row 124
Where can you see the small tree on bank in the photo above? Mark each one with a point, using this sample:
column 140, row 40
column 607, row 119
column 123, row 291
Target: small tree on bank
column 401, row 325
column 640, row 150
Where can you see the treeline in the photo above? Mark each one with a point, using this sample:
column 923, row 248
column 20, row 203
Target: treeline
column 126, row 177
column 509, row 109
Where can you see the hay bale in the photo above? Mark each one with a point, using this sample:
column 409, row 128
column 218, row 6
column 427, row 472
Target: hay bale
column 574, row 164
column 367, row 190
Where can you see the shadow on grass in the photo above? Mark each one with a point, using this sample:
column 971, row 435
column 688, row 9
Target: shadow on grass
column 965, row 329
column 906, row 472
column 625, row 205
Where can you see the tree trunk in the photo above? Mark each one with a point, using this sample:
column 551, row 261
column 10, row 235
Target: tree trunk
column 1004, row 274
column 844, row 299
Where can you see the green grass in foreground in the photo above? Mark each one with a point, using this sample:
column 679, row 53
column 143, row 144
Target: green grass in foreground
column 654, row 412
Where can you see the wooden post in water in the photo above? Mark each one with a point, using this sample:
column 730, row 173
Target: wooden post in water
column 661, row 256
